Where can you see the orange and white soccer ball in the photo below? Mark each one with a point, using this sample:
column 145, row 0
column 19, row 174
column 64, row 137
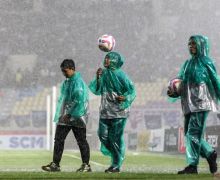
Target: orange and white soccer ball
column 175, row 85
column 106, row 43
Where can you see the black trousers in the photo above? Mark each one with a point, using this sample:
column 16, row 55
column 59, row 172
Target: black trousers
column 60, row 136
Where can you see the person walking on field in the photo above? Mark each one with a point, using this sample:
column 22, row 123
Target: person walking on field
column 71, row 114
column 200, row 93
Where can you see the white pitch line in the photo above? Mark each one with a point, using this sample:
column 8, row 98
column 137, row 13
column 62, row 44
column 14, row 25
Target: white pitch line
column 92, row 162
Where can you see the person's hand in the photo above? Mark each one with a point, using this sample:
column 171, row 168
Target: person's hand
column 99, row 73
column 66, row 118
column 120, row 98
column 170, row 93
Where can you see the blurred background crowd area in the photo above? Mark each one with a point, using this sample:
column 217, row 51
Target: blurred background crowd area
column 152, row 35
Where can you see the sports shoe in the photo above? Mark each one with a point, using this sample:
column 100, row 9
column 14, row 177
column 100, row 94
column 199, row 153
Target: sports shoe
column 84, row 168
column 52, row 167
column 212, row 162
column 189, row 170
column 112, row 170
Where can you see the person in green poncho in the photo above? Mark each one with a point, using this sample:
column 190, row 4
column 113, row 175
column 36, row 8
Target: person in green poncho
column 117, row 93
column 200, row 94
column 71, row 114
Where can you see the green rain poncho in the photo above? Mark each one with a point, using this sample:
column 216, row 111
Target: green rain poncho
column 73, row 100
column 112, row 83
column 200, row 87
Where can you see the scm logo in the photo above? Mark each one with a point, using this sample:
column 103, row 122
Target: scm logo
column 27, row 142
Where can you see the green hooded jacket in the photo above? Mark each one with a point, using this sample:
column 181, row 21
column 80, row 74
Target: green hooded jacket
column 114, row 80
column 200, row 87
column 73, row 98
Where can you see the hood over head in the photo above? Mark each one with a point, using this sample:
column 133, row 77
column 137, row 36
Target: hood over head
column 116, row 60
column 202, row 45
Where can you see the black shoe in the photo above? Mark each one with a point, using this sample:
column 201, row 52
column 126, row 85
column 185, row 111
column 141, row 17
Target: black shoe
column 112, row 170
column 52, row 167
column 189, row 170
column 84, row 168
column 212, row 162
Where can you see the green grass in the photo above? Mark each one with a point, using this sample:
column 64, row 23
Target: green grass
column 98, row 175
column 27, row 165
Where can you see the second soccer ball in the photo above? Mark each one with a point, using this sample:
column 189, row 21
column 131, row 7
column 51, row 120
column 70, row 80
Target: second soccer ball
column 175, row 85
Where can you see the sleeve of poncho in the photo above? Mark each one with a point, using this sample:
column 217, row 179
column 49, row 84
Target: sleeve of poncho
column 214, row 85
column 182, row 70
column 93, row 86
column 59, row 103
column 129, row 91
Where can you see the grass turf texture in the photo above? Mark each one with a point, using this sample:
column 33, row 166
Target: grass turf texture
column 98, row 175
column 27, row 165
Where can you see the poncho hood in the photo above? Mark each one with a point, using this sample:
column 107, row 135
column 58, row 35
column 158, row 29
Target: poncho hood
column 200, row 68
column 202, row 45
column 116, row 60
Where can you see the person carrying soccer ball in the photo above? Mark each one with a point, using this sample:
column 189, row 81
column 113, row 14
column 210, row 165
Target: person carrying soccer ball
column 71, row 114
column 200, row 94
column 117, row 93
